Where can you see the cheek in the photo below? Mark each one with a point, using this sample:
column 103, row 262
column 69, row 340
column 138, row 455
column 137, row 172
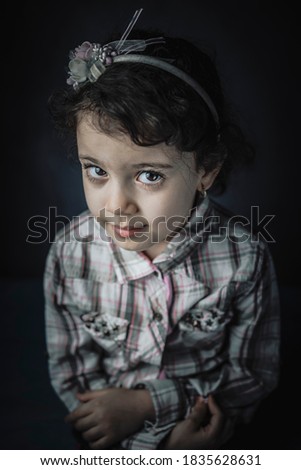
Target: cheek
column 85, row 185
column 179, row 203
column 93, row 198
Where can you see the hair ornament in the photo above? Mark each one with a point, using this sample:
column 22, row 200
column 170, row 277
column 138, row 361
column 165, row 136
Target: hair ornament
column 90, row 60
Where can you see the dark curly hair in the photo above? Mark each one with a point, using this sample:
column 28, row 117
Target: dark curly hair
column 153, row 106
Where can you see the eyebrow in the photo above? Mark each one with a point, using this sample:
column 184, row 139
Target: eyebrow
column 135, row 165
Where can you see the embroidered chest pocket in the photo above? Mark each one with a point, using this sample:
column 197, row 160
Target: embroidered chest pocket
column 205, row 325
column 108, row 331
column 86, row 300
column 203, row 328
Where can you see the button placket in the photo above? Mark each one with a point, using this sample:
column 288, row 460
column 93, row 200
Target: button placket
column 158, row 305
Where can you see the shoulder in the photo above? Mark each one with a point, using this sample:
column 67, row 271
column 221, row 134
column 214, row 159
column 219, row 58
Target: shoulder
column 233, row 251
column 81, row 249
column 79, row 228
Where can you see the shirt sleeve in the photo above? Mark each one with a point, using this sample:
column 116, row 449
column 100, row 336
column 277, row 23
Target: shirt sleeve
column 72, row 363
column 247, row 372
column 252, row 369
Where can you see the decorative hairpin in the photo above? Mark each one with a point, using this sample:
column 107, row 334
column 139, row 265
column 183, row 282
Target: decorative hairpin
column 90, row 60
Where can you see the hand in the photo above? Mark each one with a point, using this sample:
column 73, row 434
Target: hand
column 105, row 417
column 200, row 430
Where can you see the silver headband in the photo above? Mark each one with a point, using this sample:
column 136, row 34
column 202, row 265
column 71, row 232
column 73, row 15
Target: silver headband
column 89, row 61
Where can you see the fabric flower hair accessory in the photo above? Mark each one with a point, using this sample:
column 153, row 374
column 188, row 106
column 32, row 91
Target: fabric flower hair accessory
column 89, row 60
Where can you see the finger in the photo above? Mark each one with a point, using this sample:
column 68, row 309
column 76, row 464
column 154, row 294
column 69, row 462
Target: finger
column 78, row 413
column 214, row 409
column 102, row 444
column 213, row 406
column 217, row 417
column 93, row 434
column 89, row 395
column 83, row 424
column 198, row 413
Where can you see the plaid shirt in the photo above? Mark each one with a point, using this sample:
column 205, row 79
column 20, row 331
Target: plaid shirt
column 202, row 317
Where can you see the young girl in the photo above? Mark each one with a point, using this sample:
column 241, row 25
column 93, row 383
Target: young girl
column 162, row 312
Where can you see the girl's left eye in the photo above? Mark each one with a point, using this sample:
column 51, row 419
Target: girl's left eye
column 150, row 178
column 94, row 173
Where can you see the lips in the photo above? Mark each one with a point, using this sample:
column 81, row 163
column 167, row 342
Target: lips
column 128, row 231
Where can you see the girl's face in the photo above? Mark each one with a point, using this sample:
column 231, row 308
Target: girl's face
column 150, row 188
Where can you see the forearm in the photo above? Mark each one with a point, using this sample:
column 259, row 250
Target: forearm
column 72, row 368
column 170, row 405
column 171, row 400
column 106, row 417
column 67, row 382
column 238, row 394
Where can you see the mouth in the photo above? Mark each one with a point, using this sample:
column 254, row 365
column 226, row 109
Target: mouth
column 128, row 231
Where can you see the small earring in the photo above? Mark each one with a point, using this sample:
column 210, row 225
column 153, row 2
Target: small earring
column 204, row 192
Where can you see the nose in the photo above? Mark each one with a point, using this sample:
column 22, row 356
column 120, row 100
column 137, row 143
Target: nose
column 120, row 201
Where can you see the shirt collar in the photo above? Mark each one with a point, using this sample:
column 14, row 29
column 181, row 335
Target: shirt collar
column 131, row 265
column 184, row 242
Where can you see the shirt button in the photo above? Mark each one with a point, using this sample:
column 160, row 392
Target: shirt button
column 158, row 275
column 140, row 387
column 158, row 316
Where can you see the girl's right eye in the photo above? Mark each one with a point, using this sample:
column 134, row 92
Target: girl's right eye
column 94, row 173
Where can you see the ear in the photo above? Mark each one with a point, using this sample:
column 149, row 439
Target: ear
column 207, row 179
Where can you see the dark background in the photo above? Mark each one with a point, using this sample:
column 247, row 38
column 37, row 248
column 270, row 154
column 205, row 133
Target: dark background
column 256, row 52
